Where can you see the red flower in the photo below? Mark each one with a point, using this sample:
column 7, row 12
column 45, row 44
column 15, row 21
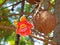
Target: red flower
column 23, row 28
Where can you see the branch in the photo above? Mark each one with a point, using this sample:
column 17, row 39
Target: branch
column 22, row 7
column 7, row 27
column 14, row 4
column 45, row 36
column 9, row 15
column 21, row 13
column 14, row 15
column 53, row 43
column 38, row 8
column 37, row 38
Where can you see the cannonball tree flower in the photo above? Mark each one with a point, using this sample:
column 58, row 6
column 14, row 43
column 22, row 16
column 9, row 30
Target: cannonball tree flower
column 23, row 27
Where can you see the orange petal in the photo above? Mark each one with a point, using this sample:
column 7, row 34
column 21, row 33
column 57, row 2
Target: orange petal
column 23, row 18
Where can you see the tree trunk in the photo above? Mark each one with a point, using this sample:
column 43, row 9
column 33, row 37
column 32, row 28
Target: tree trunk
column 57, row 29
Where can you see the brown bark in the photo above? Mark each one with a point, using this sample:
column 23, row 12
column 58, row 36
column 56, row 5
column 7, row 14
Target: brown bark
column 57, row 29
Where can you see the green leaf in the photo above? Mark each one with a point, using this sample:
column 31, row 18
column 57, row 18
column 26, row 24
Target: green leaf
column 1, row 1
column 52, row 2
column 11, row 42
column 27, row 7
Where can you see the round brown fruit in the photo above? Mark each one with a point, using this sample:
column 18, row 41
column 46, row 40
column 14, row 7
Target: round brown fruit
column 44, row 22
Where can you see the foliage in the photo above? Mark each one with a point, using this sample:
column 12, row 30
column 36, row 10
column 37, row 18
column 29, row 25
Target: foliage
column 52, row 2
column 27, row 8
column 1, row 1
column 7, row 34
column 25, row 41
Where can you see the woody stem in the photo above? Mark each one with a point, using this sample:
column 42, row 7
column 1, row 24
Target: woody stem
column 21, row 13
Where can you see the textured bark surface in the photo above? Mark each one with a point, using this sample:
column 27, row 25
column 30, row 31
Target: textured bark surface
column 33, row 1
column 57, row 29
column 46, row 5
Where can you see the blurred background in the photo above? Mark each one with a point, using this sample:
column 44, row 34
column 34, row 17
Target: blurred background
column 11, row 9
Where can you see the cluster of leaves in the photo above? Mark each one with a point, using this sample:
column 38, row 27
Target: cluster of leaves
column 4, row 21
column 6, row 34
column 25, row 41
column 51, row 6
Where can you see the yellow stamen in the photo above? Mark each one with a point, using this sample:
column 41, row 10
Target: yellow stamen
column 23, row 18
column 22, row 26
column 15, row 23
